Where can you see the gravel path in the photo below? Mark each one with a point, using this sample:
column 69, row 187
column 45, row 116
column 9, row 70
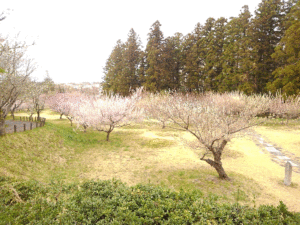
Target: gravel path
column 19, row 124
column 278, row 154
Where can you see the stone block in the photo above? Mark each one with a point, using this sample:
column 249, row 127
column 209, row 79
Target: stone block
column 288, row 173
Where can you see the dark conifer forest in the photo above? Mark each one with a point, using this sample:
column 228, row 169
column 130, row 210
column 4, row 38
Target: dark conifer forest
column 249, row 53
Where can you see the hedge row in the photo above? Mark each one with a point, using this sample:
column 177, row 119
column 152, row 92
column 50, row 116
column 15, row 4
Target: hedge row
column 112, row 202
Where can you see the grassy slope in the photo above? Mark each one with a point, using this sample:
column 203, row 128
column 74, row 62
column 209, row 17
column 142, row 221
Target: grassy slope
column 141, row 154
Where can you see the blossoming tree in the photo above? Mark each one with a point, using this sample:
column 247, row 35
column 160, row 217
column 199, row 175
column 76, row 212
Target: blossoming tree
column 107, row 112
column 212, row 119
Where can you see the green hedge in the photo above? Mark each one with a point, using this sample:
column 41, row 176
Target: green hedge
column 112, row 202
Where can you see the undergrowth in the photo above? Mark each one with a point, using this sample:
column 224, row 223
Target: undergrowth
column 112, row 202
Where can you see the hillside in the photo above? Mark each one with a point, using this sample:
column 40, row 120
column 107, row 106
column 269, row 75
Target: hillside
column 52, row 159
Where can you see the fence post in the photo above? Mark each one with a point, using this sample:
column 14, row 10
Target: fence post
column 24, row 126
column 288, row 173
column 36, row 124
column 30, row 126
column 20, row 118
column 15, row 128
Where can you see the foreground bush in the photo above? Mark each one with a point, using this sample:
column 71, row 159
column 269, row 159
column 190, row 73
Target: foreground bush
column 112, row 202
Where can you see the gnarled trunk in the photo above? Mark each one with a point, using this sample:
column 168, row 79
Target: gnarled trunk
column 216, row 163
column 218, row 167
column 220, row 170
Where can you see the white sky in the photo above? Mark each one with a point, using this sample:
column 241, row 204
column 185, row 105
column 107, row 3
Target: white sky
column 74, row 38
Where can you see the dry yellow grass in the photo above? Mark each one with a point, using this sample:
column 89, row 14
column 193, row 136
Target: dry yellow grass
column 164, row 153
column 268, row 174
column 47, row 113
column 141, row 165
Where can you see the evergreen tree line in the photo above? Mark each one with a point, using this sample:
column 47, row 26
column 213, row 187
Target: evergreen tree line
column 252, row 54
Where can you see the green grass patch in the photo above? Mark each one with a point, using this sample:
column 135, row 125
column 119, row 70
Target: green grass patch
column 154, row 143
column 279, row 123
column 239, row 188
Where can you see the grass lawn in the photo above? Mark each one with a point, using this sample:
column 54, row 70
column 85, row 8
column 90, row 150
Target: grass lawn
column 145, row 153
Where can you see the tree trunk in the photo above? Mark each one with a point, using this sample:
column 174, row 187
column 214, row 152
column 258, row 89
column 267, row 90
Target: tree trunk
column 220, row 170
column 2, row 126
column 71, row 120
column 216, row 163
column 38, row 115
column 85, row 127
column 107, row 136
column 12, row 113
column 218, row 167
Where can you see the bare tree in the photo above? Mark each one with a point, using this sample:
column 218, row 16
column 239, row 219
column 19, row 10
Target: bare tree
column 37, row 97
column 285, row 107
column 154, row 105
column 212, row 119
column 16, row 69
column 15, row 107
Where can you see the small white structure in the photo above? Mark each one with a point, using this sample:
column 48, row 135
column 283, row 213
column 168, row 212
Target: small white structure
column 288, row 173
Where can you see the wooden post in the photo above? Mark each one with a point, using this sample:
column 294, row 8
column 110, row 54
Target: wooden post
column 24, row 126
column 288, row 173
column 30, row 126
column 20, row 118
column 15, row 128
column 36, row 124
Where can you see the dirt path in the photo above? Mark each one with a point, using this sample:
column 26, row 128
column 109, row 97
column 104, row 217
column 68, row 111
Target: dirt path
column 277, row 153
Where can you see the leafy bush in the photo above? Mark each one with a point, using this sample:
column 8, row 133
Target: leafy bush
column 112, row 202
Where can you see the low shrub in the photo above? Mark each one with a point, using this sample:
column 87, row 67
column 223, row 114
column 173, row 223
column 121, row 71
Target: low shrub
column 112, row 202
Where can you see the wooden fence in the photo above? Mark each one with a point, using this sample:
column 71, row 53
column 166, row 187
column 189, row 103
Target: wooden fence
column 33, row 121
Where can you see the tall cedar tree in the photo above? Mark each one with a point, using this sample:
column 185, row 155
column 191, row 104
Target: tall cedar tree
column 114, row 68
column 237, row 66
column 154, row 77
column 219, row 56
column 131, row 62
column 171, row 65
column 142, row 68
column 287, row 56
column 266, row 32
column 192, row 61
column 212, row 41
column 215, row 55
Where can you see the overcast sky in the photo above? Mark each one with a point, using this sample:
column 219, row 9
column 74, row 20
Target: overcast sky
column 74, row 38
